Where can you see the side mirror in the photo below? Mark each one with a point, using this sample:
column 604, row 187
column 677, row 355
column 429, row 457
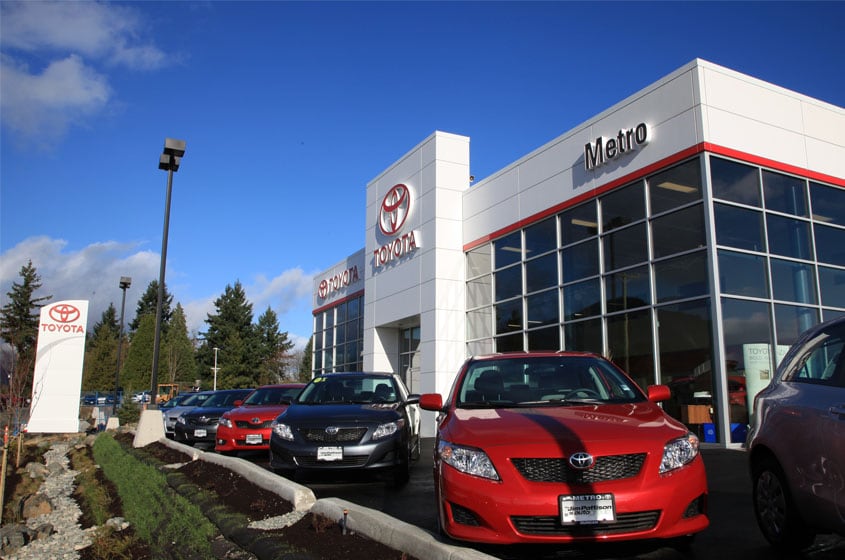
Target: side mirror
column 238, row 403
column 412, row 399
column 431, row 401
column 659, row 393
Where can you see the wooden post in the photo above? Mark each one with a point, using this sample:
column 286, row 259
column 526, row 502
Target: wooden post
column 3, row 473
column 20, row 449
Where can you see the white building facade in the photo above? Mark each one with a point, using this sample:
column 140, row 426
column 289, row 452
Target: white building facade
column 689, row 233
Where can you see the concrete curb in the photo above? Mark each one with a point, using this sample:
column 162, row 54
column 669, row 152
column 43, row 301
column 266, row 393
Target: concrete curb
column 371, row 523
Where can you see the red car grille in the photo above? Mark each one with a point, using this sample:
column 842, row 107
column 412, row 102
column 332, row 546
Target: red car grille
column 320, row 435
column 625, row 523
column 612, row 467
column 247, row 425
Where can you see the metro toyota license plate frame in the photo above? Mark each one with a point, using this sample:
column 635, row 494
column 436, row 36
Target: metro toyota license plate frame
column 587, row 509
column 329, row 454
column 253, row 439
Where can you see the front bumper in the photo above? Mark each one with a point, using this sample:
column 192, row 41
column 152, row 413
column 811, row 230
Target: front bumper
column 236, row 439
column 383, row 454
column 191, row 434
column 515, row 510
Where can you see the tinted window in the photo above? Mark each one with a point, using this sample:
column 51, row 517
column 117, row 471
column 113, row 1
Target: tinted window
column 735, row 181
column 578, row 223
column 623, row 206
column 739, row 227
column 675, row 187
column 677, row 232
column 828, row 204
column 784, row 193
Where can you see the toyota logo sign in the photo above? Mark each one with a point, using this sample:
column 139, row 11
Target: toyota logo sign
column 581, row 460
column 64, row 313
column 395, row 207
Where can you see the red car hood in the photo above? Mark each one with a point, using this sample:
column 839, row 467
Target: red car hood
column 561, row 424
column 268, row 412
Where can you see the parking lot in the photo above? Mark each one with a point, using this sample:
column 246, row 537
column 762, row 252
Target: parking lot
column 732, row 535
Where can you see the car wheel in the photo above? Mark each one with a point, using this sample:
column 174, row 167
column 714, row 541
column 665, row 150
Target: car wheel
column 775, row 510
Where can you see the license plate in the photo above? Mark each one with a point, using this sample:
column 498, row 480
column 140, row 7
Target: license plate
column 253, row 439
column 329, row 453
column 587, row 509
column 200, row 433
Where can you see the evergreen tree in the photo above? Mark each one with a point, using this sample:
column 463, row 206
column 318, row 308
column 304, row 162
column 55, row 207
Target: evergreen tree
column 19, row 327
column 231, row 331
column 177, row 351
column 305, row 364
column 101, row 353
column 147, row 306
column 274, row 348
column 136, row 372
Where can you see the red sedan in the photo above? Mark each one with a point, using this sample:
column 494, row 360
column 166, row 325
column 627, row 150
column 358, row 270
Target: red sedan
column 560, row 448
column 247, row 427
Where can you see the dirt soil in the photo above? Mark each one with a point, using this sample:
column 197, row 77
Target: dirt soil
column 320, row 537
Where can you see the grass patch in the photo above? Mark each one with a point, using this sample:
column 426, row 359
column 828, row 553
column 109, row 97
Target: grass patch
column 171, row 525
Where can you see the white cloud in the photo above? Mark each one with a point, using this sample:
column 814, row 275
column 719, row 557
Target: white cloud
column 67, row 39
column 93, row 273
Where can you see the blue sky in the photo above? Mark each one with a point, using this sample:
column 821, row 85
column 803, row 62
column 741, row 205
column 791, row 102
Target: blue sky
column 290, row 108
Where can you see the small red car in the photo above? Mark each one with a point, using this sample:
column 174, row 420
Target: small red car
column 247, row 426
column 562, row 448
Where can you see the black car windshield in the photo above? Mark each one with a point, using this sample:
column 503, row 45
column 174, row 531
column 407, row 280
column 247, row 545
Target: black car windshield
column 195, row 399
column 544, row 381
column 357, row 389
column 264, row 396
column 224, row 398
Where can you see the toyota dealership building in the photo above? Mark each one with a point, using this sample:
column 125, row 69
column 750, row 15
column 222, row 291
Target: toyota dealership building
column 690, row 233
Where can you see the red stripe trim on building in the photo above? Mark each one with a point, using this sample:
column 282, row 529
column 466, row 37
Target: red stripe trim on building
column 338, row 302
column 649, row 169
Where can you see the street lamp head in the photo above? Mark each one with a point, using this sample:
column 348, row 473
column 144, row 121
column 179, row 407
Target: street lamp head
column 125, row 282
column 171, row 157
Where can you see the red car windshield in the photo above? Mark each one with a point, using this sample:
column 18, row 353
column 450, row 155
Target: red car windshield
column 547, row 380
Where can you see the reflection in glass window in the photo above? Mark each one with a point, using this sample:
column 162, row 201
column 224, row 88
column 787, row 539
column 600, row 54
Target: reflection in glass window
column 627, row 289
column 734, row 181
column 480, row 323
column 738, row 227
column 583, row 336
column 677, row 232
column 742, row 274
column 509, row 316
column 541, row 273
column 480, row 347
column 629, row 341
column 830, row 244
column 540, row 238
column 625, row 247
column 318, row 340
column 792, row 281
column 748, row 342
column 675, row 187
column 329, row 319
column 508, row 282
column 354, row 308
column 681, row 277
column 832, row 285
column 480, row 291
column 789, row 237
column 580, row 261
column 622, row 207
column 544, row 339
column 479, row 261
column 341, row 313
column 542, row 308
column 578, row 223
column 785, row 193
column 582, row 299
column 509, row 343
column 791, row 321
column 828, row 204
column 508, row 249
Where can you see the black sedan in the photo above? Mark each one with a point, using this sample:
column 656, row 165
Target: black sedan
column 199, row 424
column 348, row 421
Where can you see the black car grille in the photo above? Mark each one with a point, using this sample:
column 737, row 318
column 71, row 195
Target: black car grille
column 612, row 467
column 201, row 421
column 550, row 525
column 347, row 461
column 346, row 435
column 247, row 425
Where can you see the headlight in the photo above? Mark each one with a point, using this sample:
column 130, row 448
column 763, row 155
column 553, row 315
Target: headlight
column 225, row 422
column 388, row 429
column 282, row 430
column 180, row 419
column 679, row 452
column 467, row 460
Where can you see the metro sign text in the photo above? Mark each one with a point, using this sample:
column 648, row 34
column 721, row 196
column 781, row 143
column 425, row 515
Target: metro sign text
column 602, row 150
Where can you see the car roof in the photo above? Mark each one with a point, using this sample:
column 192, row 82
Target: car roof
column 535, row 354
column 281, row 385
column 355, row 373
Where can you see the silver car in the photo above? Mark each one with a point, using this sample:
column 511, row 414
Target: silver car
column 797, row 442
column 170, row 414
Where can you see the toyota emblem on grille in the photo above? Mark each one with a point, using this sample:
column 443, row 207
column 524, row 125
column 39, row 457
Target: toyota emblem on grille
column 332, row 430
column 581, row 460
column 255, row 420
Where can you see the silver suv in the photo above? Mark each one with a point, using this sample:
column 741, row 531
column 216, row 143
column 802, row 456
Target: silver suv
column 797, row 441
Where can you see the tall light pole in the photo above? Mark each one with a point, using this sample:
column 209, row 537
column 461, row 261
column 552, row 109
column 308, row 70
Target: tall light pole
column 125, row 282
column 215, row 368
column 170, row 159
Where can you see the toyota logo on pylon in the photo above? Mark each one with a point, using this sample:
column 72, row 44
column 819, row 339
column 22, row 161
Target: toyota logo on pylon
column 395, row 207
column 64, row 313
